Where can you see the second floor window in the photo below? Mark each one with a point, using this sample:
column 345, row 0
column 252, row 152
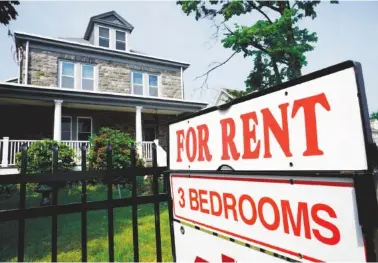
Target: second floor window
column 104, row 37
column 67, row 76
column 145, row 84
column 137, row 86
column 153, row 85
column 87, row 77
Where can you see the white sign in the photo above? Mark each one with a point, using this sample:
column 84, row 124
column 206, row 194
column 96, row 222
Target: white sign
column 315, row 125
column 306, row 219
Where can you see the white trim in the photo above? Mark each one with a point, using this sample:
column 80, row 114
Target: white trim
column 71, row 129
column 77, row 125
column 97, row 92
column 26, row 63
column 110, row 42
column 99, row 47
column 81, row 75
column 220, row 94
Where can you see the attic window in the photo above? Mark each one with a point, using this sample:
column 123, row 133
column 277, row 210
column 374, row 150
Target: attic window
column 120, row 40
column 104, row 38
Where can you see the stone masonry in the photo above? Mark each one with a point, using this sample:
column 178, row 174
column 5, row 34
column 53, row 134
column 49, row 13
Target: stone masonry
column 113, row 76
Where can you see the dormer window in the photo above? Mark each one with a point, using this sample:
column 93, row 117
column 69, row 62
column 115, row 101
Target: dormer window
column 104, row 36
column 120, row 40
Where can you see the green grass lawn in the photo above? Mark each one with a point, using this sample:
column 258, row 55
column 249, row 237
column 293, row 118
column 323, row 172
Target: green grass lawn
column 38, row 231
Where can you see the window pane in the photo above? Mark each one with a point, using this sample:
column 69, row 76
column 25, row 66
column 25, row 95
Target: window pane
column 66, row 136
column 84, row 125
column 87, row 71
column 138, row 90
column 66, row 124
column 104, row 32
column 83, row 136
column 153, row 80
column 68, row 82
column 137, row 78
column 120, row 36
column 87, row 84
column 68, row 69
column 120, row 45
column 153, row 91
column 104, row 42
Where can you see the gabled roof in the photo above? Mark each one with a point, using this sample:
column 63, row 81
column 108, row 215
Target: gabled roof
column 109, row 18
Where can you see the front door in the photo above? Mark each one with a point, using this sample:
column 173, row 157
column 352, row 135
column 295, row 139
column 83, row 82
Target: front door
column 149, row 134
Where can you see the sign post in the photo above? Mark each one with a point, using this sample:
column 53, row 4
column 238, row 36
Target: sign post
column 299, row 184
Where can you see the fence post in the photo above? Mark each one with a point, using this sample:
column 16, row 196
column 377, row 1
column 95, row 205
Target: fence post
column 21, row 221
column 155, row 191
column 84, row 200
column 109, row 164
column 54, row 201
column 134, row 204
column 4, row 161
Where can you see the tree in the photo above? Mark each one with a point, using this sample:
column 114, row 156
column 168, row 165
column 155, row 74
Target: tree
column 8, row 11
column 374, row 115
column 277, row 46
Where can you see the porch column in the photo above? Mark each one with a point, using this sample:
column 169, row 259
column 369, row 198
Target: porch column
column 58, row 120
column 138, row 128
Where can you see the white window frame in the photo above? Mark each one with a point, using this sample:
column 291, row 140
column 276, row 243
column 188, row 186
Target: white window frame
column 157, row 83
column 132, row 82
column 70, row 117
column 77, row 125
column 115, row 39
column 61, row 73
column 94, row 76
column 110, row 32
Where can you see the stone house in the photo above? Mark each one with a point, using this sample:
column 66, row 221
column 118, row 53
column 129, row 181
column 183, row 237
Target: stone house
column 67, row 88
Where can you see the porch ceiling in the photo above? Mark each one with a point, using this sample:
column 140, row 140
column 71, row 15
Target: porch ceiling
column 44, row 96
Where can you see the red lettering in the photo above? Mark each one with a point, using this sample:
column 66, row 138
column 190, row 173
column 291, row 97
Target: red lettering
column 191, row 154
column 182, row 201
column 273, row 226
column 249, row 134
column 281, row 134
column 203, row 139
column 252, row 220
column 308, row 105
column 302, row 217
column 228, row 206
column 193, row 196
column 227, row 259
column 212, row 195
column 335, row 238
column 180, row 144
column 228, row 139
column 203, row 201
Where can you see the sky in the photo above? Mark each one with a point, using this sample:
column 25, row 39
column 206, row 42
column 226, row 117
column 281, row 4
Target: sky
column 347, row 31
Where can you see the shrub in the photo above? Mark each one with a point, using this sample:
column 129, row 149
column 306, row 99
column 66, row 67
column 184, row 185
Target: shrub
column 39, row 157
column 121, row 153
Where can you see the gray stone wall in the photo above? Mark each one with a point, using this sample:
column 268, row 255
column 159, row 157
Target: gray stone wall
column 113, row 76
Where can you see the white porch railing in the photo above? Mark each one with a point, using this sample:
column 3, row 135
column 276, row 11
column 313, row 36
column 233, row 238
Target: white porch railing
column 9, row 148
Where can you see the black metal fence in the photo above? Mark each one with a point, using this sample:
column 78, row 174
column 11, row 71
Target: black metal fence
column 109, row 177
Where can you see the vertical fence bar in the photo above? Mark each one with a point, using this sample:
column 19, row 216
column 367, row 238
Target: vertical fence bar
column 170, row 203
column 155, row 182
column 84, row 200
column 21, row 221
column 134, row 205
column 110, row 208
column 54, row 225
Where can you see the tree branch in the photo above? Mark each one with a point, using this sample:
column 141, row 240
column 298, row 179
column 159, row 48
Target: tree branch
column 251, row 3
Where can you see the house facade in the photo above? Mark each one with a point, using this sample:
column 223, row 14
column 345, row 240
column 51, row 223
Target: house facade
column 68, row 88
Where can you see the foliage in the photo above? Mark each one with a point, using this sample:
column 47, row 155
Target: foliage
column 277, row 46
column 7, row 11
column 121, row 152
column 374, row 116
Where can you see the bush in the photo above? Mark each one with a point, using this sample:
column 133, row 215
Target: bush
column 121, row 153
column 39, row 157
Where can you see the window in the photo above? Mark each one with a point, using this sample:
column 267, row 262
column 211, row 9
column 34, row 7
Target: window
column 67, row 76
column 104, row 38
column 66, row 128
column 153, row 85
column 120, row 40
column 137, row 83
column 84, row 128
column 87, row 77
